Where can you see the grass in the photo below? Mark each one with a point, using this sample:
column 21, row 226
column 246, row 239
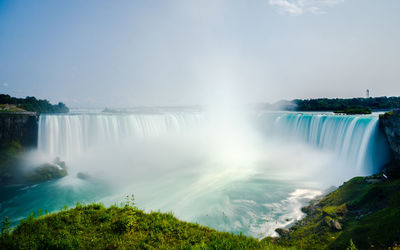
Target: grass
column 368, row 212
column 96, row 227
column 5, row 108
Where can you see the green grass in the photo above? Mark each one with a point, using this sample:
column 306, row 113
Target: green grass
column 97, row 227
column 369, row 214
column 9, row 108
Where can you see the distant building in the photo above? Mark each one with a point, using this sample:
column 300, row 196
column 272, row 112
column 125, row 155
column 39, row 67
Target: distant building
column 367, row 93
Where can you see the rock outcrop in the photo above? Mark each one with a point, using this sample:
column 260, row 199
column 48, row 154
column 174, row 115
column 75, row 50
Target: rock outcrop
column 390, row 125
column 21, row 127
column 47, row 171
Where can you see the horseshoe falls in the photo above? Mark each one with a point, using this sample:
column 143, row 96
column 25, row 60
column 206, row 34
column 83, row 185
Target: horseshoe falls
column 249, row 172
column 355, row 140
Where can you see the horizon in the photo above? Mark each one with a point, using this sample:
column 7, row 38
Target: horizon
column 201, row 105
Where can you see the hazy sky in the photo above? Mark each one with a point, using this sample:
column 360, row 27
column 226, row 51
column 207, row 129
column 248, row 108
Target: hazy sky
column 179, row 52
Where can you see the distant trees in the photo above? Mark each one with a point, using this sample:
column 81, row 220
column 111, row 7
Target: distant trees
column 325, row 104
column 32, row 104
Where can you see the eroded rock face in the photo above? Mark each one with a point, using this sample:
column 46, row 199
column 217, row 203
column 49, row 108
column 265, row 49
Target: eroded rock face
column 20, row 127
column 390, row 124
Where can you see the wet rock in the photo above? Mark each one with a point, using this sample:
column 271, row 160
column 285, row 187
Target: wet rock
column 336, row 225
column 47, row 171
column 390, row 124
column 283, row 232
column 83, row 176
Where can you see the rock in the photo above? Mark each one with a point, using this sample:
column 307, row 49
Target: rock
column 19, row 127
column 390, row 125
column 57, row 161
column 283, row 232
column 83, row 176
column 48, row 171
column 336, row 225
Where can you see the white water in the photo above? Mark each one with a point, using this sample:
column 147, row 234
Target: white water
column 355, row 140
column 247, row 173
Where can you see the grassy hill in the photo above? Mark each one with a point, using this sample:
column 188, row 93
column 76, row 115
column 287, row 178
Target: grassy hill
column 97, row 227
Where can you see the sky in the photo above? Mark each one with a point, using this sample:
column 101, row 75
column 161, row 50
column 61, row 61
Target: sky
column 130, row 53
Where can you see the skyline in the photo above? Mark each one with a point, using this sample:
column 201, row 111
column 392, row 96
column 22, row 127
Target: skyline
column 158, row 53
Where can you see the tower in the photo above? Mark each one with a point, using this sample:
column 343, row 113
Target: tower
column 367, row 93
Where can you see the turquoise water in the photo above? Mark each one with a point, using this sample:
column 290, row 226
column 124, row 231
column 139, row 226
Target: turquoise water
column 237, row 173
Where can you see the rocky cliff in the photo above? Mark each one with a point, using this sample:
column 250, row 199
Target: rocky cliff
column 19, row 127
column 390, row 124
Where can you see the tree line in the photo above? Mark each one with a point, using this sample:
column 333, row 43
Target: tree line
column 325, row 104
column 32, row 104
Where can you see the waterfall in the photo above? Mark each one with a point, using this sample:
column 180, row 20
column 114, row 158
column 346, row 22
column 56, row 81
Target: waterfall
column 72, row 134
column 355, row 139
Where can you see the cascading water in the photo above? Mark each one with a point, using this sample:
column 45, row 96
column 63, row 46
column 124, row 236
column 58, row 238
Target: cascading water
column 69, row 135
column 354, row 139
column 250, row 173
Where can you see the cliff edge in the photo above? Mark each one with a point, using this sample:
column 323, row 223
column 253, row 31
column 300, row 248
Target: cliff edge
column 390, row 125
column 21, row 127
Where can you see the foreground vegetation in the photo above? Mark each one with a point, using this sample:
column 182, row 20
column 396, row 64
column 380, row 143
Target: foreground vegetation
column 30, row 103
column 364, row 211
column 127, row 227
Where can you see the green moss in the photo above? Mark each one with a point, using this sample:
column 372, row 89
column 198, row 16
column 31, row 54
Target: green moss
column 329, row 210
column 97, row 227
